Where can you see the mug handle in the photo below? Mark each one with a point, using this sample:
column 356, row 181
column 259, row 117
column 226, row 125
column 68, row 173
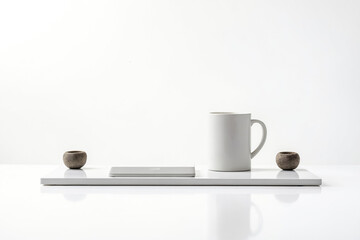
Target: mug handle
column 263, row 139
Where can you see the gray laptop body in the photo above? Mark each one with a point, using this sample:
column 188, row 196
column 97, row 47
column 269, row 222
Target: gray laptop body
column 152, row 172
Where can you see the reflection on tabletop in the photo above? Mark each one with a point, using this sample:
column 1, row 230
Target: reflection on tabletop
column 226, row 212
column 230, row 217
column 233, row 212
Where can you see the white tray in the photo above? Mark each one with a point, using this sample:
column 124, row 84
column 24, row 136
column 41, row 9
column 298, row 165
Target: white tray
column 255, row 177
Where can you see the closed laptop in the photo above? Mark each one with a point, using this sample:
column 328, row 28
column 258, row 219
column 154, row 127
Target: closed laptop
column 152, row 172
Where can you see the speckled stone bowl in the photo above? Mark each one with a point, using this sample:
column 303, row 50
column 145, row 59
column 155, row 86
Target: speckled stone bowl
column 74, row 159
column 287, row 160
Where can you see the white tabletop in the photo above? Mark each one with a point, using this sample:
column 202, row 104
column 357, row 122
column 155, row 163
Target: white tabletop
column 31, row 211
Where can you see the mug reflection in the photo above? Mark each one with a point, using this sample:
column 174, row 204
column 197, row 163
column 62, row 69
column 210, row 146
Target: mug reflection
column 231, row 217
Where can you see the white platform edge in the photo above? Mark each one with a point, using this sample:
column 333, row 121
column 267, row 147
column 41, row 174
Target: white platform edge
column 178, row 182
column 56, row 180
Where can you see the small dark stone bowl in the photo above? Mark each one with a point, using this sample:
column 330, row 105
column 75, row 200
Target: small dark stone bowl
column 287, row 160
column 74, row 159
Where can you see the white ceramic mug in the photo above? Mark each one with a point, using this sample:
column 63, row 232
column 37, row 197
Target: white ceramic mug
column 230, row 140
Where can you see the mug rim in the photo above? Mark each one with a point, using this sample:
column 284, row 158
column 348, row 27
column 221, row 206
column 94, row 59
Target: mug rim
column 228, row 113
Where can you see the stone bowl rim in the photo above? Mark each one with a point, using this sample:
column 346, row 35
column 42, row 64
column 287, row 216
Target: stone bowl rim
column 75, row 152
column 288, row 153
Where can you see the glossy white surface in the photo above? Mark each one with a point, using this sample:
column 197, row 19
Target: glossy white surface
column 255, row 177
column 31, row 211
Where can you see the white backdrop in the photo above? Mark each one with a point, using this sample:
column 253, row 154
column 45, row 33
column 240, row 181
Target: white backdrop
column 132, row 82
